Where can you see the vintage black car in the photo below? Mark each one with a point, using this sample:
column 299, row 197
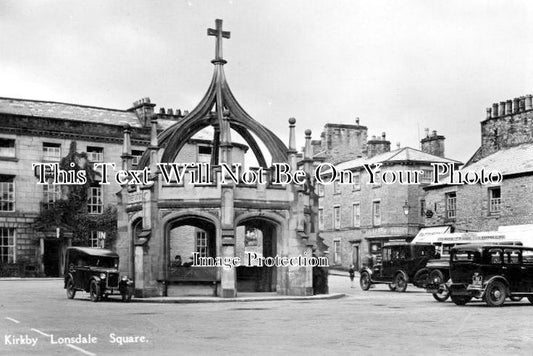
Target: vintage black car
column 398, row 266
column 491, row 273
column 437, row 272
column 95, row 270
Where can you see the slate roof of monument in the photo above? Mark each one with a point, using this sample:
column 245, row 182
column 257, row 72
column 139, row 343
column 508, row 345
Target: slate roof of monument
column 73, row 112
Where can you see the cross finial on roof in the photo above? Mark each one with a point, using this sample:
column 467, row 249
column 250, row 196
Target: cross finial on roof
column 219, row 34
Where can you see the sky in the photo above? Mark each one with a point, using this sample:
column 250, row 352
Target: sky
column 400, row 66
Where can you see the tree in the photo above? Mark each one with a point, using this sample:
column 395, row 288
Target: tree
column 70, row 213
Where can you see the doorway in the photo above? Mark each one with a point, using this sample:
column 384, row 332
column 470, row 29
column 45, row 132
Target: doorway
column 51, row 258
column 256, row 238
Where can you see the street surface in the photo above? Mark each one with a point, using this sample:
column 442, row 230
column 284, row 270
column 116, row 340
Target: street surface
column 375, row 322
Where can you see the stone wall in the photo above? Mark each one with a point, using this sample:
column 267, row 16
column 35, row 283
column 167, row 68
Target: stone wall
column 342, row 142
column 507, row 124
column 473, row 205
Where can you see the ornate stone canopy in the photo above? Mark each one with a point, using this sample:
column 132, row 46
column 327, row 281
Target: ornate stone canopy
column 219, row 109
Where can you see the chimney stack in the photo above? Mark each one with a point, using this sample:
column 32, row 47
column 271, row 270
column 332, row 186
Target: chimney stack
column 433, row 144
column 144, row 109
column 378, row 145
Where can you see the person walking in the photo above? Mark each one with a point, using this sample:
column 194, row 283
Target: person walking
column 351, row 271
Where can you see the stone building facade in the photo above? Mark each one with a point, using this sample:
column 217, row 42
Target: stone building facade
column 506, row 147
column 34, row 131
column 357, row 219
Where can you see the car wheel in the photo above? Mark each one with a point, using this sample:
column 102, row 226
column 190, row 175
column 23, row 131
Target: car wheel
column 442, row 296
column 460, row 299
column 94, row 291
column 515, row 299
column 420, row 279
column 71, row 292
column 392, row 287
column 400, row 281
column 364, row 281
column 495, row 294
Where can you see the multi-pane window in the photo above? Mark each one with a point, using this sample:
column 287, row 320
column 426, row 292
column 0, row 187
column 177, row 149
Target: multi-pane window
column 356, row 215
column 204, row 154
column 337, row 252
column 337, row 217
column 97, row 239
column 376, row 213
column 95, row 154
column 495, row 200
column 320, row 190
column 321, row 218
column 357, row 181
column 427, row 175
column 336, row 188
column 7, row 245
column 51, row 194
column 7, row 147
column 201, row 244
column 451, row 205
column 137, row 154
column 51, row 151
column 95, row 204
column 7, row 193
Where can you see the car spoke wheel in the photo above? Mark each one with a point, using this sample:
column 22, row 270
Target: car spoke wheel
column 364, row 281
column 94, row 291
column 71, row 292
column 437, row 277
column 400, row 281
column 392, row 287
column 460, row 299
column 441, row 296
column 495, row 294
column 420, row 279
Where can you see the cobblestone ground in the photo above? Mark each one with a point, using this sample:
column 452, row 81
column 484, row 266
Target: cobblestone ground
column 375, row 322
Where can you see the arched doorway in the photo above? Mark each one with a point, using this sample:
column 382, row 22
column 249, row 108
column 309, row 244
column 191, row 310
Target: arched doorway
column 256, row 240
column 186, row 237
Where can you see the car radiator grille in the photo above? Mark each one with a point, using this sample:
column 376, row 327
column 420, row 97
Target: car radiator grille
column 112, row 280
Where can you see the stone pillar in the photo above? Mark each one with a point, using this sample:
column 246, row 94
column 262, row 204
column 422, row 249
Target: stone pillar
column 529, row 103
column 228, row 282
column 228, row 279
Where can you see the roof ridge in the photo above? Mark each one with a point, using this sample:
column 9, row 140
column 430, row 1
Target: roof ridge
column 397, row 153
column 63, row 103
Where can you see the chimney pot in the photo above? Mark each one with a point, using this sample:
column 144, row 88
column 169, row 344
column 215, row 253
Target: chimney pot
column 383, row 135
column 489, row 113
column 502, row 108
column 495, row 110
column 434, row 133
column 170, row 111
column 161, row 110
column 357, row 121
column 515, row 105
column 426, row 130
column 509, row 107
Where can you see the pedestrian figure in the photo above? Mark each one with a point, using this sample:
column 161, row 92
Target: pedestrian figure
column 352, row 274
